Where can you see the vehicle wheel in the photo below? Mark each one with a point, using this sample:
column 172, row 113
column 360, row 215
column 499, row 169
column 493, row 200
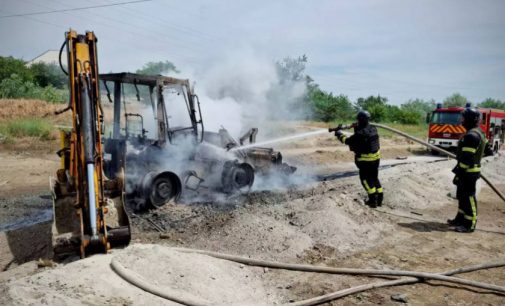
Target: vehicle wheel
column 433, row 152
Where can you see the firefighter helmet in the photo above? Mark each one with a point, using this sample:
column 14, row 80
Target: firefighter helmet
column 471, row 115
column 363, row 117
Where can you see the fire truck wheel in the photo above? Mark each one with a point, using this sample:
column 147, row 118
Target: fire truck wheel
column 433, row 152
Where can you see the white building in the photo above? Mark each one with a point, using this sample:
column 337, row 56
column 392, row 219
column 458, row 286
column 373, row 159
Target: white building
column 49, row 57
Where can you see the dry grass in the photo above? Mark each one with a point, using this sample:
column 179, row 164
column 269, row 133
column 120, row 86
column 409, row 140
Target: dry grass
column 11, row 109
column 15, row 109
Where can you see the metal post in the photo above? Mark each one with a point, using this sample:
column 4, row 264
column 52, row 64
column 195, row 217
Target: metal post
column 117, row 110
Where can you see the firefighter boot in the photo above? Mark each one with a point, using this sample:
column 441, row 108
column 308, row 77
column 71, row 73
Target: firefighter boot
column 463, row 229
column 372, row 200
column 380, row 197
column 453, row 222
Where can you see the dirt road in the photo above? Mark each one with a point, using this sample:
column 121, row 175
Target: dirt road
column 323, row 223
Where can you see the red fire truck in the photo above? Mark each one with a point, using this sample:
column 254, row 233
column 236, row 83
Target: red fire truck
column 446, row 128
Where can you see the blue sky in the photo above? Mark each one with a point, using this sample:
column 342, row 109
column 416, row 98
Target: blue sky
column 398, row 48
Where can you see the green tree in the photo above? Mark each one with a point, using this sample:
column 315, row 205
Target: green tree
column 456, row 100
column 326, row 107
column 10, row 66
column 419, row 105
column 379, row 113
column 370, row 102
column 48, row 74
column 155, row 68
column 492, row 103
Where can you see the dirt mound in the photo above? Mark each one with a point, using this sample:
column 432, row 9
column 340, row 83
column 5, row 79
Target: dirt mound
column 93, row 282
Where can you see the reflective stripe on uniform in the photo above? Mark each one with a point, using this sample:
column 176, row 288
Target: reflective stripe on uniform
column 343, row 139
column 468, row 149
column 463, row 166
column 470, row 218
column 473, row 170
column 468, row 169
column 380, row 190
column 370, row 157
column 460, row 211
column 474, row 211
column 368, row 189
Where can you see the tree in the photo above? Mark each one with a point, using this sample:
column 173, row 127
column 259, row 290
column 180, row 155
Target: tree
column 492, row 103
column 379, row 113
column 326, row 107
column 48, row 74
column 456, row 100
column 155, row 68
column 419, row 105
column 10, row 66
column 370, row 102
column 291, row 70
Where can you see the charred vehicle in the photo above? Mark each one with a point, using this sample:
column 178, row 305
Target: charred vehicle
column 179, row 156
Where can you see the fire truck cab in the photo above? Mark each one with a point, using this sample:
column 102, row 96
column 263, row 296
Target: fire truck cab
column 446, row 129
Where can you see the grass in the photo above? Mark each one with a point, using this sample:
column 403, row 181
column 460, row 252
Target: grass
column 37, row 127
column 419, row 131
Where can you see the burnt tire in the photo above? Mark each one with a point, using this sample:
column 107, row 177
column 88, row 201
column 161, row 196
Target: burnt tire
column 160, row 188
column 237, row 176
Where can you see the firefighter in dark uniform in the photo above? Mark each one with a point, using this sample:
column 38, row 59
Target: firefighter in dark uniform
column 467, row 171
column 365, row 144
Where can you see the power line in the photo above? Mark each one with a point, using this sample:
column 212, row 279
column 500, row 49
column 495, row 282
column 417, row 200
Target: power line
column 186, row 29
column 74, row 9
column 125, row 23
column 126, row 31
column 409, row 83
column 203, row 17
column 109, row 38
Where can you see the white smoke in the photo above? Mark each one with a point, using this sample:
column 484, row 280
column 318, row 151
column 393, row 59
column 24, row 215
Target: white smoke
column 244, row 89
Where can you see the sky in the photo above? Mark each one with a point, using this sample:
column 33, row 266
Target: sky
column 400, row 49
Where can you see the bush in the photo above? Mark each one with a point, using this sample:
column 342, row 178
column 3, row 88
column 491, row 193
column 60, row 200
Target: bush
column 379, row 113
column 9, row 66
column 27, row 128
column 48, row 75
column 15, row 88
column 326, row 107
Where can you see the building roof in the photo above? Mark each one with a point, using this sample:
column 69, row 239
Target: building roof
column 49, row 57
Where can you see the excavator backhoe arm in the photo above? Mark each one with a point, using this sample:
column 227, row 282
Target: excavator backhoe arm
column 89, row 211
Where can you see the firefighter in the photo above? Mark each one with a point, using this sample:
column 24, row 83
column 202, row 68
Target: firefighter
column 365, row 144
column 467, row 171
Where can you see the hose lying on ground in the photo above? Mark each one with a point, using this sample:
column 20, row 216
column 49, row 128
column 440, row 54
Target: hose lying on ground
column 418, row 276
column 330, row 270
column 436, row 149
column 339, row 294
column 134, row 280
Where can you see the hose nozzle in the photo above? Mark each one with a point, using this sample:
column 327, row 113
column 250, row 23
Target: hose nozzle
column 341, row 127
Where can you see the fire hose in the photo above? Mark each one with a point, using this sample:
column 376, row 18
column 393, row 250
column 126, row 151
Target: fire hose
column 349, row 126
column 415, row 277
column 438, row 150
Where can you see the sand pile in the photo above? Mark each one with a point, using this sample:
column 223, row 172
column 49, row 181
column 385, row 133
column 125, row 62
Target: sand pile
column 93, row 282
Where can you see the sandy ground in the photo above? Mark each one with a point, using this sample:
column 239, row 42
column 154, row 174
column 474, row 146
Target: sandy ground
column 323, row 223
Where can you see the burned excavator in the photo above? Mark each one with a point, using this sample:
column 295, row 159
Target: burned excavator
column 89, row 212
column 178, row 159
